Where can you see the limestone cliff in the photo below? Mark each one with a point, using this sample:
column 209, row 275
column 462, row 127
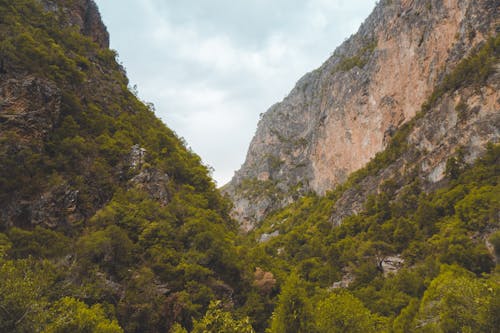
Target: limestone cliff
column 339, row 116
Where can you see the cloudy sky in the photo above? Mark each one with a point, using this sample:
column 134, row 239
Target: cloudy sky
column 212, row 66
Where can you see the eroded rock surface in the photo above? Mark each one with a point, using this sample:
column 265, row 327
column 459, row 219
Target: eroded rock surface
column 339, row 116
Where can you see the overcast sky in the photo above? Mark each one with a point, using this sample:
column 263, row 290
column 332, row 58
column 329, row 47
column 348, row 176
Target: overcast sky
column 212, row 66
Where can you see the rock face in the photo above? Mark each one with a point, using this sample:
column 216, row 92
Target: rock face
column 85, row 15
column 339, row 116
column 88, row 18
column 148, row 179
column 29, row 106
column 463, row 122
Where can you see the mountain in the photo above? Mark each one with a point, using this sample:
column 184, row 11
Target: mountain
column 338, row 117
column 392, row 250
column 370, row 197
column 371, row 192
column 107, row 221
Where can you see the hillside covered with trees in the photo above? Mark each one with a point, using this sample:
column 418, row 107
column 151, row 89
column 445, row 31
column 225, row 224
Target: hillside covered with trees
column 109, row 223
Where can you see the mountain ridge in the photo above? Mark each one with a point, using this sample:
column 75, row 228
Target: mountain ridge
column 108, row 223
column 339, row 116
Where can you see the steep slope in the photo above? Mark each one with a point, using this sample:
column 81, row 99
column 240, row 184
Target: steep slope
column 339, row 116
column 107, row 222
column 391, row 249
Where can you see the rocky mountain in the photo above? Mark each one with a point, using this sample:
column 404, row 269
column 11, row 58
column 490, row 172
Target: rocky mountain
column 376, row 181
column 107, row 221
column 33, row 106
column 338, row 117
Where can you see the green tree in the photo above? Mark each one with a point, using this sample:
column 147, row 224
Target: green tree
column 342, row 312
column 69, row 315
column 404, row 322
column 494, row 240
column 177, row 328
column 140, row 308
column 23, row 288
column 293, row 313
column 456, row 301
column 216, row 320
column 479, row 209
column 110, row 248
column 5, row 245
column 39, row 242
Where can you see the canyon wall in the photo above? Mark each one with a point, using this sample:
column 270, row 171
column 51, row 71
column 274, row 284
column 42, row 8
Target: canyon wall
column 339, row 116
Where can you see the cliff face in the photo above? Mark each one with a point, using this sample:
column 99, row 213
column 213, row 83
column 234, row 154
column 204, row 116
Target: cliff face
column 459, row 127
column 83, row 14
column 339, row 116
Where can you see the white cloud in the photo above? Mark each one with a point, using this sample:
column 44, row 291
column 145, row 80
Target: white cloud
column 211, row 67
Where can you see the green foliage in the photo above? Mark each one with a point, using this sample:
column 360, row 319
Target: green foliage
column 177, row 328
column 455, row 301
column 358, row 60
column 455, row 165
column 253, row 188
column 5, row 245
column 158, row 266
column 293, row 313
column 404, row 322
column 23, row 295
column 216, row 320
column 454, row 245
column 20, row 166
column 138, row 310
column 426, row 230
column 495, row 241
column 110, row 248
column 71, row 315
column 462, row 109
column 479, row 208
column 155, row 262
column 36, row 41
column 39, row 242
column 342, row 312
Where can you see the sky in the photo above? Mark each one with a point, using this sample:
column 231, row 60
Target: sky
column 211, row 67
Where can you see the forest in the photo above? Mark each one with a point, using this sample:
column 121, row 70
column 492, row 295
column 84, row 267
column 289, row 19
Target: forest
column 134, row 256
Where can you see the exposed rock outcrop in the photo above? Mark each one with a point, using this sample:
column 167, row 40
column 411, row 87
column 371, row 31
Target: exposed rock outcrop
column 148, row 179
column 463, row 121
column 29, row 106
column 339, row 116
column 85, row 15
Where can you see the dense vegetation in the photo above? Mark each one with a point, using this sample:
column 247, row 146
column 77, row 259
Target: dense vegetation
column 137, row 261
column 129, row 262
column 447, row 279
column 411, row 260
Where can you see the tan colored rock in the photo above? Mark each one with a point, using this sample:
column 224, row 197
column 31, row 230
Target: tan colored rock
column 339, row 116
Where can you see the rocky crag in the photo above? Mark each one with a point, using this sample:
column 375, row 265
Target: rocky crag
column 338, row 117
